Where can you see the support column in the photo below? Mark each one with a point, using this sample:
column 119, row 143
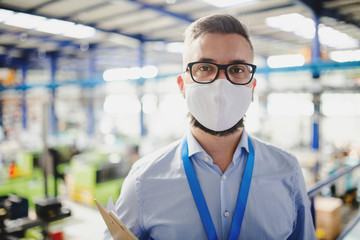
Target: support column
column 90, row 116
column 317, row 89
column 140, row 84
column 1, row 115
column 316, row 122
column 315, row 58
column 23, row 100
column 315, row 49
column 53, row 119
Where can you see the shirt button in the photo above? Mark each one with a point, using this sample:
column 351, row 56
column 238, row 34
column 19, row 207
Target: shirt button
column 226, row 213
column 206, row 159
column 224, row 177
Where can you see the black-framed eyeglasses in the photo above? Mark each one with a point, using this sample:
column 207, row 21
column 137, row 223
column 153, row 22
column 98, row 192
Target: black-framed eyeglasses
column 207, row 72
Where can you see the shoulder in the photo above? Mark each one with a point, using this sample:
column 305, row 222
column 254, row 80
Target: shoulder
column 157, row 161
column 267, row 148
column 272, row 159
column 152, row 166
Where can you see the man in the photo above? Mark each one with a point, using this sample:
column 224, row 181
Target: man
column 216, row 182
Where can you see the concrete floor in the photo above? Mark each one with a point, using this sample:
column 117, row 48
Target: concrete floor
column 354, row 234
column 85, row 222
column 349, row 214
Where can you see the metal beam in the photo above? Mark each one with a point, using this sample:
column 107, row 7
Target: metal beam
column 322, row 8
column 69, row 15
column 62, row 43
column 315, row 5
column 320, row 66
column 134, row 36
column 334, row 13
column 268, row 9
column 162, row 10
column 41, row 5
column 316, row 188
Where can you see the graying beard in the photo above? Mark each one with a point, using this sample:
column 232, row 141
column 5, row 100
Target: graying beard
column 227, row 132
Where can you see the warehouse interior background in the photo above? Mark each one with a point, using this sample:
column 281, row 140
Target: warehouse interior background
column 89, row 86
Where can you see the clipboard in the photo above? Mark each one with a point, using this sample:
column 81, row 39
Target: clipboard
column 117, row 229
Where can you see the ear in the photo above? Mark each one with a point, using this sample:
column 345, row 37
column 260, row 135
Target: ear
column 180, row 82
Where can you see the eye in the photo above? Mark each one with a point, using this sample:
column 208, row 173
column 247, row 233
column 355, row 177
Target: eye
column 237, row 69
column 205, row 67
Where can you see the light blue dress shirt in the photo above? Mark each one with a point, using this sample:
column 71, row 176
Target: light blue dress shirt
column 156, row 200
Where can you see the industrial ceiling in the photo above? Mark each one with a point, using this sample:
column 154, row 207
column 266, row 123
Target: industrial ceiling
column 139, row 32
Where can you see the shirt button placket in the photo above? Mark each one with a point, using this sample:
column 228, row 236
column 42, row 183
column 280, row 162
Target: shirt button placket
column 224, row 205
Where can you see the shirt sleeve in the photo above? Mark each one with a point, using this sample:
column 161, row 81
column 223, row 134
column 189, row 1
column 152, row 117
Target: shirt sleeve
column 303, row 224
column 127, row 207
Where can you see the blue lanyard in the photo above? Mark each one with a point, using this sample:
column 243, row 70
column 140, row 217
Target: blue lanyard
column 200, row 200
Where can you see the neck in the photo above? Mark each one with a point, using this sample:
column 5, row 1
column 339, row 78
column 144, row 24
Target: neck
column 220, row 148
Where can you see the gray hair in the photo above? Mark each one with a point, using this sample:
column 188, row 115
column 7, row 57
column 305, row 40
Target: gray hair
column 217, row 23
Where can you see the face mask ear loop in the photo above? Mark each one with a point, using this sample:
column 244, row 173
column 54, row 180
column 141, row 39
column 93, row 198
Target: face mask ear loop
column 252, row 94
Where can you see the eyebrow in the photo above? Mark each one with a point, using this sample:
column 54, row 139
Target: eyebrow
column 213, row 61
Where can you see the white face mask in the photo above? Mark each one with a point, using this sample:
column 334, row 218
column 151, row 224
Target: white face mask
column 218, row 105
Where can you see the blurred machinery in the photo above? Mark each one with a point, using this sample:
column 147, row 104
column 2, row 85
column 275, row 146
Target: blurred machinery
column 96, row 175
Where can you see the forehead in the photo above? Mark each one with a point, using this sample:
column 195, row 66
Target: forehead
column 219, row 48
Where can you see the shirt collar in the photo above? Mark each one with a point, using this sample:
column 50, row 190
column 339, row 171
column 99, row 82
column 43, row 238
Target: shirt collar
column 194, row 147
column 243, row 144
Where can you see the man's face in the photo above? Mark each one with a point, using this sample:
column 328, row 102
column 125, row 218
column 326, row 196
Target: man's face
column 217, row 48
column 220, row 49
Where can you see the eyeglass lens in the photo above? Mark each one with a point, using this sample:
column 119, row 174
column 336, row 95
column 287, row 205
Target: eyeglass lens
column 237, row 72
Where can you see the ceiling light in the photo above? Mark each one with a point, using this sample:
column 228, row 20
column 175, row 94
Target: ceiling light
column 24, row 20
column 305, row 27
column 229, row 3
column 55, row 26
column 293, row 22
column 336, row 39
column 80, row 31
column 5, row 14
column 280, row 61
column 118, row 74
column 345, row 56
column 48, row 25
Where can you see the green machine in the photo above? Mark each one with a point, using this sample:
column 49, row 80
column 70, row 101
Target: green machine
column 23, row 173
column 95, row 175
column 24, row 177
